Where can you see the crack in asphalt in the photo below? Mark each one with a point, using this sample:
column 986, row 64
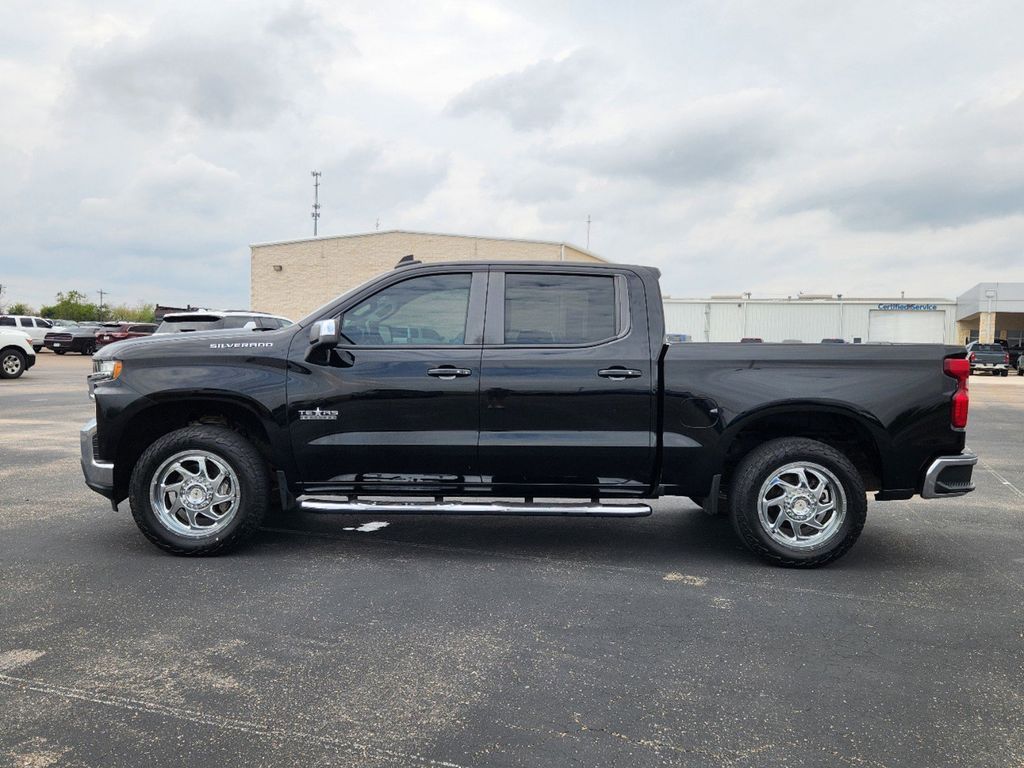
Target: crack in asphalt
column 269, row 730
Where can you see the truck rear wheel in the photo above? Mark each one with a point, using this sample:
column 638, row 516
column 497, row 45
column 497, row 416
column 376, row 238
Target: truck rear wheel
column 200, row 490
column 797, row 502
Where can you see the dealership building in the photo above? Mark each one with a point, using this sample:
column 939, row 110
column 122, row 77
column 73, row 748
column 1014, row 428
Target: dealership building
column 293, row 277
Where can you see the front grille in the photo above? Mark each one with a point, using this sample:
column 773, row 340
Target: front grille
column 58, row 337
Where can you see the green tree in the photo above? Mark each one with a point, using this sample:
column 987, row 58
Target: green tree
column 20, row 308
column 71, row 305
column 140, row 313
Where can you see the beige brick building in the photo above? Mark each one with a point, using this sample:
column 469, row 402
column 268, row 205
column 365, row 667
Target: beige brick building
column 294, row 277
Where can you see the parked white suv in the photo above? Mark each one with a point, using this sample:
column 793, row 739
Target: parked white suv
column 17, row 354
column 216, row 320
column 35, row 327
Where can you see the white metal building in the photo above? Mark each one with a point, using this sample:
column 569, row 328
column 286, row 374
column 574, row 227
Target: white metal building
column 813, row 318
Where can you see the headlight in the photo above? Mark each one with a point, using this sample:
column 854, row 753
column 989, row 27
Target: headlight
column 109, row 369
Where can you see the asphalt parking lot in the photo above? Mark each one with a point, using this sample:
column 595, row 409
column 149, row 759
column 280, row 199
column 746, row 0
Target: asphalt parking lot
column 504, row 642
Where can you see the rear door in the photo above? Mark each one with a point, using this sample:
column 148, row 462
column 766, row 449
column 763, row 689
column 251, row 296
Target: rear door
column 567, row 387
column 395, row 407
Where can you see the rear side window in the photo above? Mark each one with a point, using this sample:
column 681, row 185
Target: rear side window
column 7, row 321
column 25, row 322
column 559, row 309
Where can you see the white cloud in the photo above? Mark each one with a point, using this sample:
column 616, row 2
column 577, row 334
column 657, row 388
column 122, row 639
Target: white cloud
column 802, row 146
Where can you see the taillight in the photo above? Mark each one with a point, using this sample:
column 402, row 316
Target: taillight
column 972, row 357
column 1006, row 358
column 959, row 369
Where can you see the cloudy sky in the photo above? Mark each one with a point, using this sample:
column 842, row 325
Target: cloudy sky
column 773, row 147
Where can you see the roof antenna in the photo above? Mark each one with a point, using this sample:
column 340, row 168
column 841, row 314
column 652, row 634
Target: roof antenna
column 407, row 261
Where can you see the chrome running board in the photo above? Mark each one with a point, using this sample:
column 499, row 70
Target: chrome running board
column 356, row 507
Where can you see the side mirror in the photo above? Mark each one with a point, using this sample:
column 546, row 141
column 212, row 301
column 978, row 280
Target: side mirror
column 324, row 333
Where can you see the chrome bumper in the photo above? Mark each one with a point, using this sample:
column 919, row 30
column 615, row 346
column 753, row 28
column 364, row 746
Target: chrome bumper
column 949, row 476
column 99, row 475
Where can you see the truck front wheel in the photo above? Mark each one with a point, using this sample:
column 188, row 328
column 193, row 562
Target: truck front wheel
column 12, row 363
column 200, row 490
column 797, row 502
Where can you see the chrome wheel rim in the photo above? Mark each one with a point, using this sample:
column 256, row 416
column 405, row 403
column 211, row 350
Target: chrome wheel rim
column 801, row 505
column 11, row 363
column 195, row 494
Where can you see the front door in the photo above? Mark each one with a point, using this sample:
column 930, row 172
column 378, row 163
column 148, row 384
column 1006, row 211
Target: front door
column 567, row 386
column 394, row 408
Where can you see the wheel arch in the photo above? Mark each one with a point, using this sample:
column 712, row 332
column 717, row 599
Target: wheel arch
column 859, row 436
column 243, row 415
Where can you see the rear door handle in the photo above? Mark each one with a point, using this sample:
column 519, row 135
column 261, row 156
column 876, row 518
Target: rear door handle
column 448, row 372
column 620, row 374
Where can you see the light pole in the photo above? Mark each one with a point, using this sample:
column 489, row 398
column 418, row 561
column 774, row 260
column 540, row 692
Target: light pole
column 316, row 199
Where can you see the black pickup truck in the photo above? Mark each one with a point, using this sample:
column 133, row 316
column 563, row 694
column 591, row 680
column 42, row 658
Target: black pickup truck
column 451, row 388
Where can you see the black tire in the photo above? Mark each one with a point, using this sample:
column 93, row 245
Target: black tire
column 38, row 349
column 60, row 351
column 230, row 448
column 758, row 466
column 1005, row 373
column 89, row 349
column 12, row 363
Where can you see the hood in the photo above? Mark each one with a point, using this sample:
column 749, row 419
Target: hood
column 198, row 342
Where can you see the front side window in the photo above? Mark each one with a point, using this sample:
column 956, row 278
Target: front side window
column 559, row 309
column 429, row 310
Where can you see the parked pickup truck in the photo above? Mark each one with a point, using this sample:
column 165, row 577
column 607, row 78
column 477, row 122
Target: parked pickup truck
column 471, row 383
column 988, row 357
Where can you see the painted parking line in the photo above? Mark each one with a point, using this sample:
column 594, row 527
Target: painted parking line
column 1000, row 478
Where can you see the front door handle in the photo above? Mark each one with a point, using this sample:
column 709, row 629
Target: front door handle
column 448, row 372
column 618, row 373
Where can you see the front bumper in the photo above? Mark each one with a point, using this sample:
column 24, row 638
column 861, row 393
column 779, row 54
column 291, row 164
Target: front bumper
column 949, row 476
column 99, row 475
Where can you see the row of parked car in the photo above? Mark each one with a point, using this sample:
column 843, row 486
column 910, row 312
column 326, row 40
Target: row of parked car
column 22, row 336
